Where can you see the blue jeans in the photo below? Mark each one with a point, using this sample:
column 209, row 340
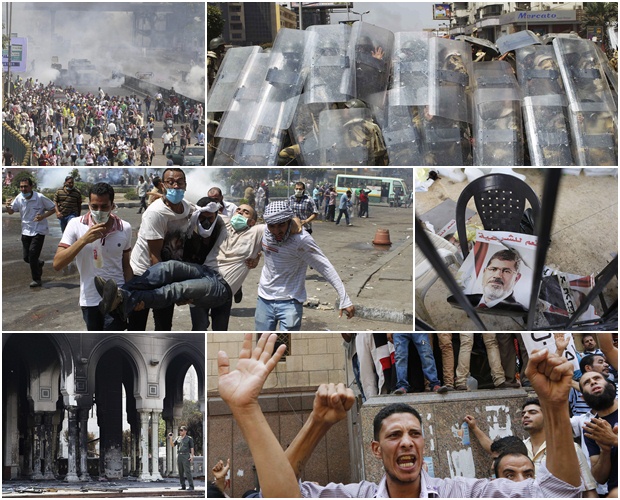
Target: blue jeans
column 423, row 345
column 167, row 283
column 64, row 221
column 269, row 312
column 344, row 211
column 96, row 322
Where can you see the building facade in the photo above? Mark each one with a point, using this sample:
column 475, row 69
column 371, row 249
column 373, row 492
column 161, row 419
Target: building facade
column 50, row 377
column 254, row 23
column 490, row 20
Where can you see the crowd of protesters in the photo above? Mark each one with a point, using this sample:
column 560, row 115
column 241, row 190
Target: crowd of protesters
column 69, row 128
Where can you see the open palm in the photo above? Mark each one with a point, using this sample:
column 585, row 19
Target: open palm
column 242, row 386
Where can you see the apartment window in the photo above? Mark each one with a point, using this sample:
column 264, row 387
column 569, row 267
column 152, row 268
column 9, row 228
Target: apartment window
column 236, row 26
column 283, row 338
column 236, row 35
column 235, row 18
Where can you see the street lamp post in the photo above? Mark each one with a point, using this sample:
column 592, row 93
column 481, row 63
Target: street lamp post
column 361, row 14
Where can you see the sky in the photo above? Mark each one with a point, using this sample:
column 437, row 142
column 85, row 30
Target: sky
column 395, row 16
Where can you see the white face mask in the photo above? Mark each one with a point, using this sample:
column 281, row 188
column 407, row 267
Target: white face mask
column 99, row 216
column 299, row 193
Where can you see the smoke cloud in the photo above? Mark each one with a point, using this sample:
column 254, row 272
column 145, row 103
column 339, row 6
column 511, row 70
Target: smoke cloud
column 162, row 39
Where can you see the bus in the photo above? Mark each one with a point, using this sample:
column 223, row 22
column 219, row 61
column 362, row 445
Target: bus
column 390, row 190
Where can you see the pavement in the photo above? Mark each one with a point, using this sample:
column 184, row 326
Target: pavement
column 124, row 488
column 379, row 279
column 584, row 238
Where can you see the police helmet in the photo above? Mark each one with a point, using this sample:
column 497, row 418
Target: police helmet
column 216, row 43
column 355, row 103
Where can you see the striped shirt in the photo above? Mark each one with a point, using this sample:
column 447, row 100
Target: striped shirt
column 68, row 202
column 544, row 486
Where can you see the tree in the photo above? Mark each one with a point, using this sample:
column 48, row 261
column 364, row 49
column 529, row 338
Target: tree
column 602, row 14
column 5, row 39
column 215, row 22
column 193, row 420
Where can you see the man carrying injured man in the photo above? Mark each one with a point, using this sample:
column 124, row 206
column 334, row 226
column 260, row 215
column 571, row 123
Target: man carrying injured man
column 169, row 282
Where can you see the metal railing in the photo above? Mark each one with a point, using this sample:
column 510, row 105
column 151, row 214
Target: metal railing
column 608, row 321
column 20, row 147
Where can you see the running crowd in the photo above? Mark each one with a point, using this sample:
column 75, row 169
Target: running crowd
column 184, row 253
column 569, row 450
column 69, row 128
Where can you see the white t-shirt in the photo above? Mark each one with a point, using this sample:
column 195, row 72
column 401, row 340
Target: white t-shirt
column 112, row 248
column 159, row 222
column 28, row 209
column 229, row 254
column 284, row 271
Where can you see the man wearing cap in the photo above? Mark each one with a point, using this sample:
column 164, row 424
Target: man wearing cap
column 281, row 290
column 68, row 203
column 185, row 456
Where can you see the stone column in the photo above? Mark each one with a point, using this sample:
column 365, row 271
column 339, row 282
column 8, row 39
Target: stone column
column 176, row 423
column 37, row 441
column 155, row 475
column 169, row 449
column 144, row 446
column 48, row 433
column 73, row 438
column 135, row 450
column 84, row 475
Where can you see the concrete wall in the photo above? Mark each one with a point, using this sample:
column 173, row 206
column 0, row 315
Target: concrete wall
column 497, row 413
column 315, row 358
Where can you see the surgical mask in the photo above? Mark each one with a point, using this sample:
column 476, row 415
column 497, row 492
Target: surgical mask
column 27, row 195
column 299, row 193
column 70, row 188
column 99, row 216
column 175, row 196
column 238, row 222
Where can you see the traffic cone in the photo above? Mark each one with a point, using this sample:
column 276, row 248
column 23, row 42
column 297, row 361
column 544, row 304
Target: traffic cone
column 382, row 237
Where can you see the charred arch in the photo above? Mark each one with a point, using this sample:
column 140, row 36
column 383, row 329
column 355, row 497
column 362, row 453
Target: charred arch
column 35, row 369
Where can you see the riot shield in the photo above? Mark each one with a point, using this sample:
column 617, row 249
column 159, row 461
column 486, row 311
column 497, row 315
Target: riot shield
column 449, row 72
column 370, row 53
column 544, row 106
column 345, row 137
column 238, row 122
column 225, row 85
column 304, row 131
column 498, row 134
column 328, row 63
column 288, row 67
column 401, row 132
column 225, row 153
column 517, row 40
column 592, row 112
column 263, row 151
column 409, row 82
column 610, row 72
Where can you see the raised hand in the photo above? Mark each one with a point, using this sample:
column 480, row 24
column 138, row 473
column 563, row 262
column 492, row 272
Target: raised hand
column 550, row 376
column 332, row 402
column 600, row 430
column 220, row 470
column 240, row 388
column 561, row 342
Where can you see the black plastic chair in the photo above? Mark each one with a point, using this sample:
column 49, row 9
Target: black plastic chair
column 500, row 202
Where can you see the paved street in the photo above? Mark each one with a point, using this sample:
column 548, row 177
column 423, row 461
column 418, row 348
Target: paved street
column 378, row 279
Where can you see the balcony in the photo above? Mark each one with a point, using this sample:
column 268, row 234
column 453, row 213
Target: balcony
column 491, row 10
